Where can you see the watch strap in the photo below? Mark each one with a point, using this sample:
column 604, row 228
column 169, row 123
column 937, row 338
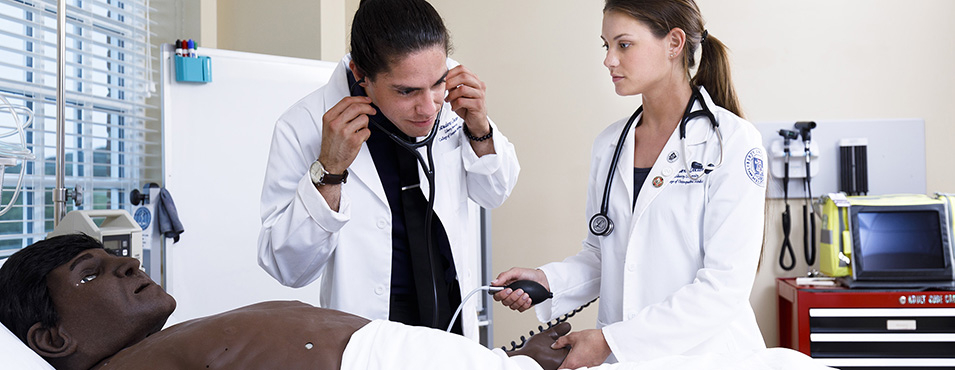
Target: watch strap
column 320, row 176
column 332, row 179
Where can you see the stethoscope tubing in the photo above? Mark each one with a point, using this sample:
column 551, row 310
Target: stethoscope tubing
column 428, row 167
column 601, row 224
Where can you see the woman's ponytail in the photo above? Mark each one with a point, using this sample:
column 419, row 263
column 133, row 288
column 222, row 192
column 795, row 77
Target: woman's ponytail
column 714, row 74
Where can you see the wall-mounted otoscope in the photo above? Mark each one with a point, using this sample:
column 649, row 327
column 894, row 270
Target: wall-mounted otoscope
column 809, row 222
column 805, row 128
column 787, row 247
column 788, row 135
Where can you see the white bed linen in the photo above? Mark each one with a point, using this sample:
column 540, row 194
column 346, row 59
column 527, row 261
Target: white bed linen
column 383, row 345
column 16, row 355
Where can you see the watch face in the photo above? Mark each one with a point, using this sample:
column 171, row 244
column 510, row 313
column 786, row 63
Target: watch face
column 315, row 172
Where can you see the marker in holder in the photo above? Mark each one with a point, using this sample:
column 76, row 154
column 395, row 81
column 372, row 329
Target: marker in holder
column 197, row 69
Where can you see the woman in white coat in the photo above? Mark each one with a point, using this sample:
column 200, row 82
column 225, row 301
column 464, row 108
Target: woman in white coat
column 345, row 201
column 674, row 274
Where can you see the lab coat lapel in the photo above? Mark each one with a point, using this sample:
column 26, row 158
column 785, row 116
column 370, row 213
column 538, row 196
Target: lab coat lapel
column 363, row 169
column 624, row 172
column 698, row 130
column 337, row 87
column 649, row 191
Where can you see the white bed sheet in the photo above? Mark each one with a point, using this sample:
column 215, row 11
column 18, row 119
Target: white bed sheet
column 383, row 345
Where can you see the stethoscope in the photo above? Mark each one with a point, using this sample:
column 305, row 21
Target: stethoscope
column 428, row 167
column 600, row 223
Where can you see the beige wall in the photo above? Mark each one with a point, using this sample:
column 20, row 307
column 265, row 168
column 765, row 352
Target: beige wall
column 289, row 27
column 548, row 91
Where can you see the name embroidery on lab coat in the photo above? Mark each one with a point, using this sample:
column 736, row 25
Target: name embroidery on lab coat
column 683, row 179
column 450, row 128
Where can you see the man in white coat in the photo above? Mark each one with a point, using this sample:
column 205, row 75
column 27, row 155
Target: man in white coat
column 348, row 193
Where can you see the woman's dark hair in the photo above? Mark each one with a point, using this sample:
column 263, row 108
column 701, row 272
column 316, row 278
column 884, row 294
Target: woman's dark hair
column 24, row 297
column 661, row 16
column 384, row 31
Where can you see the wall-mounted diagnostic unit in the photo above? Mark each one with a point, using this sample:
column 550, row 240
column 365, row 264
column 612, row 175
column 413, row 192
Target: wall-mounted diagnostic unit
column 115, row 228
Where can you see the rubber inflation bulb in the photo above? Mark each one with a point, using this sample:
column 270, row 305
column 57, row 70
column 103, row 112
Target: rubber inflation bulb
column 532, row 288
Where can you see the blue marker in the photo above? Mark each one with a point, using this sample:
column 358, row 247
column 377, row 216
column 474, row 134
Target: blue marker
column 192, row 49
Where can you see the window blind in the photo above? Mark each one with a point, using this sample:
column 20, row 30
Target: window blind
column 108, row 82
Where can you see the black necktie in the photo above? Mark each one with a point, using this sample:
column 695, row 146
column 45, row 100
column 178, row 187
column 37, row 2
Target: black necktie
column 428, row 283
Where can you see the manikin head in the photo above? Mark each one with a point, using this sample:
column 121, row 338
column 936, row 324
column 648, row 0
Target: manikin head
column 399, row 51
column 75, row 304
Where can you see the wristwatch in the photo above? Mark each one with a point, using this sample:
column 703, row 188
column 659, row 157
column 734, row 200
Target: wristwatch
column 321, row 177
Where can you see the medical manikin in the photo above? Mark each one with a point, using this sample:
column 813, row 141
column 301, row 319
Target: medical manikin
column 106, row 313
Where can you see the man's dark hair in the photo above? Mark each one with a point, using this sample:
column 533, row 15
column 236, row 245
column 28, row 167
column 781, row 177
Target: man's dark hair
column 384, row 31
column 24, row 297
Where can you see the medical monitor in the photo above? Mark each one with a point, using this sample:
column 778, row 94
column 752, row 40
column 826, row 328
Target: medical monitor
column 901, row 243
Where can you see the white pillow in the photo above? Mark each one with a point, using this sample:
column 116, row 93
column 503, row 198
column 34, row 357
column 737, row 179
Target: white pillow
column 16, row 355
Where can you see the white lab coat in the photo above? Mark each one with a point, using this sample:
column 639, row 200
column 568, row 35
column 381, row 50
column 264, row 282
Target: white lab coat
column 675, row 275
column 302, row 238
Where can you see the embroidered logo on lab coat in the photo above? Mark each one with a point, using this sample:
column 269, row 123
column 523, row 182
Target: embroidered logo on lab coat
column 755, row 166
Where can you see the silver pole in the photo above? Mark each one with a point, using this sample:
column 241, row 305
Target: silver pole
column 59, row 193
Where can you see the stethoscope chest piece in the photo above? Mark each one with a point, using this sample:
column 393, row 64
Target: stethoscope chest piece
column 601, row 225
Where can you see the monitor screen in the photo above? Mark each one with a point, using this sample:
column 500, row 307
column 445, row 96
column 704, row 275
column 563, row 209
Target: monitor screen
column 900, row 243
column 117, row 244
